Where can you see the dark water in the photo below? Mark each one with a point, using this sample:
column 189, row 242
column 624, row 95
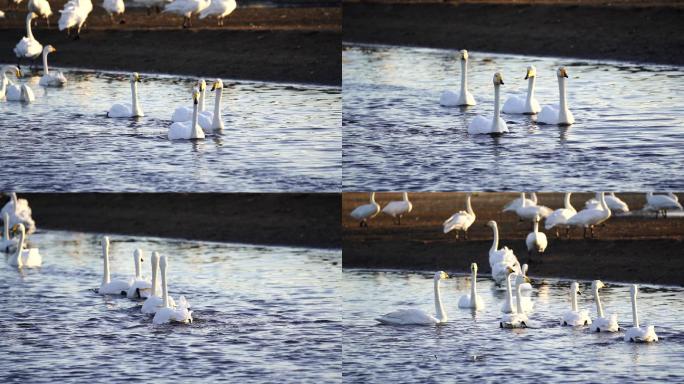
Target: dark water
column 276, row 137
column 628, row 133
column 472, row 347
column 262, row 314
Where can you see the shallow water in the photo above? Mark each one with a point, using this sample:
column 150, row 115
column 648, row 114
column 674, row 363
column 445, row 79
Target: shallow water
column 276, row 137
column 471, row 346
column 628, row 132
column 263, row 314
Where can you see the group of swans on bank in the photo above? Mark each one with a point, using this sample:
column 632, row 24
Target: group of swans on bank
column 16, row 214
column 551, row 114
column 396, row 209
column 516, row 315
column 157, row 301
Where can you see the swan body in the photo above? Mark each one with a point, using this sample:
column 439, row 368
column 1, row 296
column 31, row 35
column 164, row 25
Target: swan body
column 54, row 78
column 220, row 9
column 517, row 319
column 25, row 258
column 416, row 316
column 614, row 203
column 560, row 217
column 184, row 113
column 502, row 261
column 186, row 8
column 187, row 130
column 528, row 212
column 524, row 105
column 513, row 205
column 74, row 15
column 128, row 110
column 20, row 92
column 575, row 317
column 28, row 47
column 140, row 287
column 154, row 302
column 602, row 323
column 397, row 209
column 460, row 221
column 636, row 333
column 41, row 8
column 367, row 211
column 19, row 211
column 472, row 300
column 496, row 125
column 167, row 313
column 114, row 7
column 109, row 286
column 662, row 203
column 590, row 217
column 464, row 97
column 7, row 243
column 560, row 114
column 536, row 241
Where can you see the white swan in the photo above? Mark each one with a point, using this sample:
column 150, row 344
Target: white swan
column 472, row 300
column 28, row 47
column 187, row 8
column 662, row 203
column 615, row 204
column 19, row 211
column 417, row 316
column 216, row 122
column 496, row 125
column 517, row 319
column 187, row 130
column 367, row 211
column 153, row 301
column 168, row 314
column 128, row 110
column 575, row 317
column 528, row 212
column 397, row 209
column 54, row 78
column 536, row 241
column 25, row 258
column 74, row 15
column 464, row 97
column 513, row 205
column 591, row 217
column 637, row 333
column 220, row 9
column 7, row 243
column 14, row 92
column 502, row 261
column 41, row 8
column 524, row 281
column 184, row 113
column 114, row 8
column 521, row 285
column 109, row 286
column 140, row 287
column 602, row 323
column 460, row 221
column 524, row 105
column 559, row 218
column 558, row 115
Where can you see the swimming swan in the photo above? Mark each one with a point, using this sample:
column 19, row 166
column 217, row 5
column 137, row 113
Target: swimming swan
column 367, row 211
column 536, row 241
column 167, row 313
column 7, row 243
column 417, row 316
column 496, row 125
column 184, row 113
column 601, row 323
column 216, row 120
column 460, row 221
column 591, row 217
column 559, row 218
column 524, row 105
column 220, row 9
column 6, row 82
column 472, row 300
column 25, row 258
column 575, row 317
column 518, row 319
column 521, row 285
column 154, row 302
column 558, row 115
column 28, row 47
column 397, row 209
column 502, row 261
column 54, row 78
column 140, row 287
column 187, row 130
column 19, row 211
column 451, row 99
column 109, row 286
column 637, row 333
column 125, row 109
column 15, row 92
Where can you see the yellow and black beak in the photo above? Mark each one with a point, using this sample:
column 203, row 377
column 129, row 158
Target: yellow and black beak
column 138, row 78
column 18, row 73
column 213, row 87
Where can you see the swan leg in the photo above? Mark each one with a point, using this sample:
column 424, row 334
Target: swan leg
column 399, row 220
column 584, row 233
column 465, row 235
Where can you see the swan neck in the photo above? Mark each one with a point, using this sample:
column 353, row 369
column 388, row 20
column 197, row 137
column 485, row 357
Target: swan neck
column 439, row 307
column 217, row 106
column 574, row 300
column 518, row 299
column 495, row 242
column 473, row 288
column 523, row 199
column 29, row 33
column 469, row 208
column 372, row 197
column 509, row 292
column 134, row 99
column 536, row 226
column 530, row 89
column 635, row 314
column 105, row 257
column 561, row 90
column 195, row 128
column 165, row 289
column 568, row 205
column 201, row 100
column 45, row 65
column 497, row 105
column 5, row 226
column 464, row 79
column 155, row 268
column 20, row 248
column 136, row 256
column 603, row 202
column 599, row 307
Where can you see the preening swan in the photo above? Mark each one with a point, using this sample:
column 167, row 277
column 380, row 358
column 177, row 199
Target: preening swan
column 109, row 286
column 153, row 301
column 74, row 15
column 114, row 8
column 471, row 300
column 528, row 212
column 140, row 287
column 558, row 115
column 517, row 203
column 367, row 211
column 527, row 105
column 460, row 221
column 602, row 323
column 495, row 125
column 591, row 217
column 464, row 97
column 662, row 203
column 559, row 218
column 636, row 333
column 518, row 319
column 536, row 241
column 220, row 9
column 397, row 209
column 187, row 8
column 614, row 203
column 25, row 258
column 28, row 47
column 14, row 92
column 168, row 314
column 575, row 317
column 7, row 243
column 417, row 316
column 502, row 261
column 54, row 78
column 41, row 8
column 125, row 109
column 19, row 211
column 187, row 130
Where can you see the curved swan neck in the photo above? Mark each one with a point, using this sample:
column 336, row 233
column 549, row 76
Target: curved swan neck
column 469, row 208
column 5, row 225
column 20, row 247
column 567, row 203
column 599, row 307
column 635, row 314
column 155, row 268
column 105, row 257
column 405, row 196
column 464, row 79
column 45, row 65
column 29, row 33
column 372, row 197
column 137, row 111
column 439, row 307
column 518, row 298
column 603, row 202
column 495, row 242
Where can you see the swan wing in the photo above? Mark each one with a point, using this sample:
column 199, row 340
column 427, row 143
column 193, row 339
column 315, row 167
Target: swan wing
column 408, row 317
column 364, row 211
column 548, row 115
column 479, row 126
column 394, row 208
column 120, row 110
column 514, row 104
column 448, row 99
column 181, row 114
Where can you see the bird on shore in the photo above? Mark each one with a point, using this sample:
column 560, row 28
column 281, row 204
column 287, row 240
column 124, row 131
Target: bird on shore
column 54, row 78
column 397, row 209
column 501, row 261
column 559, row 218
column 418, row 316
column 527, row 105
column 41, row 8
column 513, row 205
column 28, row 47
column 528, row 212
column 123, row 110
column 481, row 125
column 536, row 241
column 187, row 8
column 367, row 211
column 615, row 204
column 114, row 8
column 19, row 212
column 461, row 220
column 662, row 203
column 589, row 218
column 558, row 114
column 74, row 15
column 637, row 333
column 464, row 97
column 220, row 9
column 575, row 317
column 602, row 323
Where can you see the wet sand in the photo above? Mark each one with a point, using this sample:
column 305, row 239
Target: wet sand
column 629, row 30
column 629, row 248
column 269, row 219
column 300, row 45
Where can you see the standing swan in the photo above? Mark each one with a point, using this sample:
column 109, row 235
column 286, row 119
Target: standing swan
column 109, row 286
column 7, row 244
column 591, row 217
column 639, row 334
column 472, row 300
column 417, row 316
column 74, row 15
column 128, row 110
column 41, row 8
column 28, row 47
column 601, row 323
column 19, row 211
column 460, row 221
column 661, row 203
column 168, row 314
column 502, row 261
column 397, row 209
column 220, row 9
column 518, row 319
column 575, row 317
column 524, row 105
column 187, row 130
column 527, row 212
column 482, row 125
column 54, row 79
column 558, row 115
column 153, row 302
column 536, row 241
column 559, row 217
column 614, row 203
column 140, row 287
column 451, row 99
column 25, row 258
column 366, row 211
column 513, row 205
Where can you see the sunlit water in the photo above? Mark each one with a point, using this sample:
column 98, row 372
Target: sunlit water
column 261, row 314
column 629, row 129
column 472, row 347
column 277, row 137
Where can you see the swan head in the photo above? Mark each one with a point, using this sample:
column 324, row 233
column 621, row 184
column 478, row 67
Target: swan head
column 531, row 72
column 218, row 84
column 138, row 255
column 536, row 218
column 441, row 275
column 202, row 85
column 163, row 262
column 574, row 287
column 195, row 95
column 463, row 54
column 597, row 284
column 49, row 49
column 491, row 224
column 135, row 77
column 498, row 78
column 473, row 267
column 562, row 72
